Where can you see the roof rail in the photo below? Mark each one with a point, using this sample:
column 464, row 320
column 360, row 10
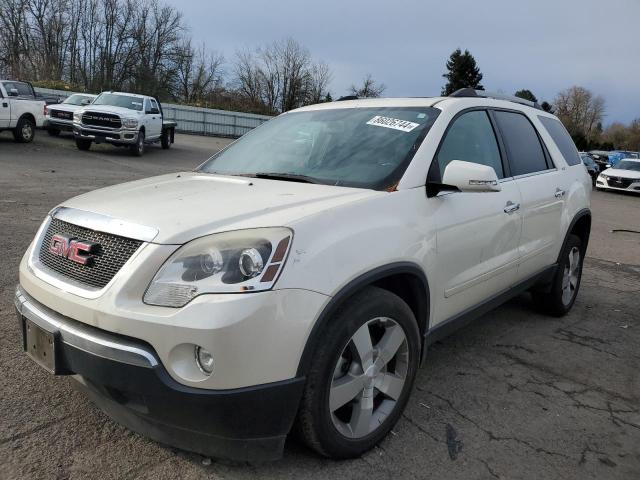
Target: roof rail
column 470, row 92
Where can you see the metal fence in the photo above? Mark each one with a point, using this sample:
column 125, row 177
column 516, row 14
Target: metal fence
column 196, row 120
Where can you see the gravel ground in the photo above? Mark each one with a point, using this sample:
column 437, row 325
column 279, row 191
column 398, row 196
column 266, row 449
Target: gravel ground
column 516, row 395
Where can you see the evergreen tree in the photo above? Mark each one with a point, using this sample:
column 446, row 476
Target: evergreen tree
column 547, row 107
column 527, row 95
column 462, row 72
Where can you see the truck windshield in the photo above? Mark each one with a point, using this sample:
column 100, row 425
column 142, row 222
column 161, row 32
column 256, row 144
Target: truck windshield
column 115, row 100
column 77, row 99
column 353, row 147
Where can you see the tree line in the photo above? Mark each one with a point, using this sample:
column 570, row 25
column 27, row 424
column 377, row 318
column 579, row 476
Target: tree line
column 145, row 46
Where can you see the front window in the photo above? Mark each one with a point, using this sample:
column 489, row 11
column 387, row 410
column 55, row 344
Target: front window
column 627, row 165
column 115, row 100
column 78, row 99
column 354, row 147
column 22, row 88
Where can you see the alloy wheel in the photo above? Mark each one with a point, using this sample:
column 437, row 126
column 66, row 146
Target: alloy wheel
column 369, row 377
column 27, row 131
column 571, row 276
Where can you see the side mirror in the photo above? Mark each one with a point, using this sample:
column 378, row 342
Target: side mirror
column 86, row 101
column 471, row 177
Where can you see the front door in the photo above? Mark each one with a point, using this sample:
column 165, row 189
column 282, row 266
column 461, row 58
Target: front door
column 478, row 234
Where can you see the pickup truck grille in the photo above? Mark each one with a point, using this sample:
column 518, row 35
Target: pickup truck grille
column 61, row 114
column 98, row 119
column 109, row 257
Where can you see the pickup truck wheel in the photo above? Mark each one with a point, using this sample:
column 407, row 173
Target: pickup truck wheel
column 24, row 131
column 361, row 376
column 165, row 139
column 138, row 148
column 83, row 144
column 54, row 132
column 566, row 282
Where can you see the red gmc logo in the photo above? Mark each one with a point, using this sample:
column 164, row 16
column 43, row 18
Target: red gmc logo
column 78, row 251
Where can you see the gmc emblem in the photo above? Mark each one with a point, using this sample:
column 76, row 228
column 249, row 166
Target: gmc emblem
column 78, row 251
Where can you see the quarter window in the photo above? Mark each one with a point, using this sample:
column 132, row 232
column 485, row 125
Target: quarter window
column 471, row 139
column 562, row 139
column 522, row 143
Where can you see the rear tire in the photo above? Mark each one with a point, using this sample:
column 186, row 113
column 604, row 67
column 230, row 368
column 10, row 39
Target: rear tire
column 165, row 139
column 355, row 392
column 24, row 131
column 137, row 149
column 83, row 144
column 54, row 132
column 566, row 282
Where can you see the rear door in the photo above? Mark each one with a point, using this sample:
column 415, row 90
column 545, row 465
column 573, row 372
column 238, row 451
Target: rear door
column 154, row 119
column 478, row 234
column 542, row 187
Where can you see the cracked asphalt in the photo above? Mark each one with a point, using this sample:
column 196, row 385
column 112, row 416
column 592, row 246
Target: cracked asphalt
column 515, row 395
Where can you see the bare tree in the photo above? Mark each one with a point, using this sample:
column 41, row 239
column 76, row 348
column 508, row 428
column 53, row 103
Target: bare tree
column 580, row 111
column 199, row 73
column 318, row 79
column 369, row 88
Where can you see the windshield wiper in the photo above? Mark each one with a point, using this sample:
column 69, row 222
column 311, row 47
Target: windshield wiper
column 291, row 177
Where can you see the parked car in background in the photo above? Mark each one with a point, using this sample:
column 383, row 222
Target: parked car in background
column 25, row 90
column 624, row 176
column 591, row 166
column 601, row 157
column 20, row 111
column 60, row 117
column 302, row 273
column 123, row 120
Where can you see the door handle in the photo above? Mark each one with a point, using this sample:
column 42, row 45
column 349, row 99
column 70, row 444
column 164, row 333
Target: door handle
column 559, row 193
column 511, row 207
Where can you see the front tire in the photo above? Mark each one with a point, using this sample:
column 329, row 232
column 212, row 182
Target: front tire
column 24, row 131
column 137, row 149
column 83, row 144
column 566, row 282
column 361, row 376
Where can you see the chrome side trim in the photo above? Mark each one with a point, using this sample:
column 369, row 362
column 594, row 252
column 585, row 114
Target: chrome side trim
column 84, row 337
column 533, row 174
column 106, row 224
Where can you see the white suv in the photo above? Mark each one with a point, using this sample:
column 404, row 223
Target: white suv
column 300, row 274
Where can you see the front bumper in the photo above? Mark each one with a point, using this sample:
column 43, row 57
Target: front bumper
column 126, row 379
column 607, row 184
column 122, row 136
column 66, row 125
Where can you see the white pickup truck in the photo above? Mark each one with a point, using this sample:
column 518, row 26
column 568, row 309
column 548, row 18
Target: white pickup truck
column 20, row 111
column 123, row 120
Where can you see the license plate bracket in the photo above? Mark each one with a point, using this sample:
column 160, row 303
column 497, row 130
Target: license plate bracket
column 40, row 345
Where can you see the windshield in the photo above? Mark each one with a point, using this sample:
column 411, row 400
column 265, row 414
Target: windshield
column 77, row 99
column 627, row 165
column 125, row 101
column 355, row 147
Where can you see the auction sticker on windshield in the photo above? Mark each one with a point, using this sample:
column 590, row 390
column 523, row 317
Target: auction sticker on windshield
column 395, row 123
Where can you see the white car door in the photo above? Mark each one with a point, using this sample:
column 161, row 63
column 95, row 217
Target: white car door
column 154, row 119
column 478, row 234
column 543, row 188
column 5, row 110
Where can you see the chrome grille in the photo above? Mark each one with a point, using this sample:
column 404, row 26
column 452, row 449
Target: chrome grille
column 108, row 120
column 113, row 253
column 61, row 114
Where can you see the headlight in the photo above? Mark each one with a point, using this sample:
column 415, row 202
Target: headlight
column 130, row 123
column 230, row 262
column 77, row 117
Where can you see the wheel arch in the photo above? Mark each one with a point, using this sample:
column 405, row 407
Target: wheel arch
column 405, row 279
column 581, row 227
column 28, row 116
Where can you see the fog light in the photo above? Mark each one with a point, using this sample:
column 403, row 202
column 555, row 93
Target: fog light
column 204, row 360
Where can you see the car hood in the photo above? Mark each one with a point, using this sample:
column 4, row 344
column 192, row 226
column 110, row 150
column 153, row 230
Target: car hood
column 65, row 107
column 618, row 172
column 123, row 112
column 188, row 205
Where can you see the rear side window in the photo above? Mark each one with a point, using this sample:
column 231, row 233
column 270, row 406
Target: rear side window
column 562, row 139
column 522, row 143
column 471, row 138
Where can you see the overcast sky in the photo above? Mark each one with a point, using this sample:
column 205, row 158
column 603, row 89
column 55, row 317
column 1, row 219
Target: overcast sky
column 542, row 45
